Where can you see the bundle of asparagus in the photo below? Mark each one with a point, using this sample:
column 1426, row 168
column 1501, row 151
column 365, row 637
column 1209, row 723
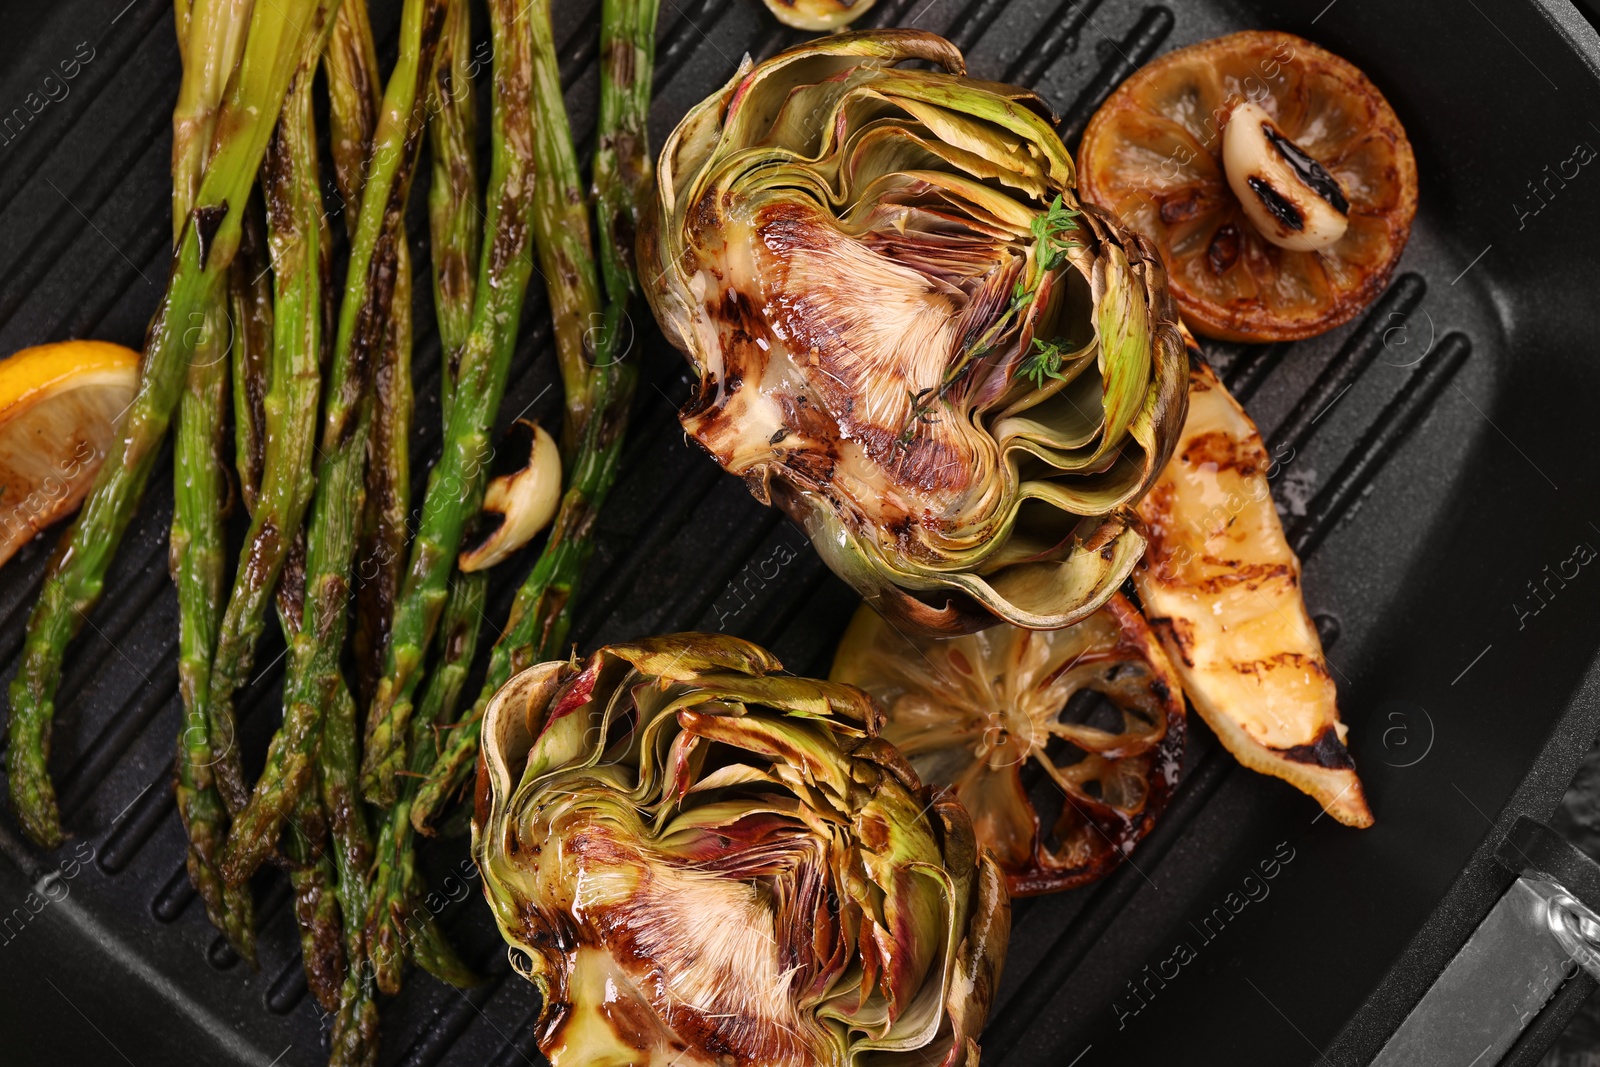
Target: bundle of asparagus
column 250, row 296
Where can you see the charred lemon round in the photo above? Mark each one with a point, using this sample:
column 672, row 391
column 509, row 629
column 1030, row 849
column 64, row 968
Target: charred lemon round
column 59, row 408
column 1273, row 175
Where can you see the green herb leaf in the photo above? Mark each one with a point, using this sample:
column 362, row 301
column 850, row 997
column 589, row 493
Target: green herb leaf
column 1043, row 363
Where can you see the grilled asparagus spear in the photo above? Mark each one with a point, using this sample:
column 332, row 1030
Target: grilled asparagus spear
column 396, row 925
column 314, row 680
column 456, row 483
column 277, row 37
column 597, row 409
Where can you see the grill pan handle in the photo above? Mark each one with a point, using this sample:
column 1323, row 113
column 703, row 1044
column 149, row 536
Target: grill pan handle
column 1529, row 965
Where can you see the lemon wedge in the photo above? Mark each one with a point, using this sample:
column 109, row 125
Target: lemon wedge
column 59, row 409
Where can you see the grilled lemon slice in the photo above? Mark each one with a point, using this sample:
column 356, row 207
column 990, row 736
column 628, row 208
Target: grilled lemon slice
column 59, row 406
column 1273, row 175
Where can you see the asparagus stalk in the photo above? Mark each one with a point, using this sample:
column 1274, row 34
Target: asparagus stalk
column 382, row 551
column 395, row 925
column 210, row 40
column 355, row 1028
column 316, row 904
column 211, row 36
column 209, row 239
column 297, row 237
column 301, row 250
column 394, row 919
column 454, row 210
column 195, row 559
column 456, row 483
column 250, row 306
column 354, row 99
column 314, row 681
column 597, row 417
column 561, row 220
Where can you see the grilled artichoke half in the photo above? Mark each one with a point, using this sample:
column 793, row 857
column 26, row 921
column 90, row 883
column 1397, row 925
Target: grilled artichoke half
column 985, row 712
column 703, row 861
column 910, row 337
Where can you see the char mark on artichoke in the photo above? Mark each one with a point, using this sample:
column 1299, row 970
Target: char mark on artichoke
column 703, row 861
column 909, row 335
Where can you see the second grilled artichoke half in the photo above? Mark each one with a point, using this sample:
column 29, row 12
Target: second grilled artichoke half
column 707, row 862
column 910, row 336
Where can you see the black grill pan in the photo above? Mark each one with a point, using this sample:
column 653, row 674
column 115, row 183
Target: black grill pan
column 1443, row 470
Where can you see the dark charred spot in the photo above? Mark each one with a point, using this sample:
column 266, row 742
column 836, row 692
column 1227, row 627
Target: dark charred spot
column 1298, row 661
column 1223, row 251
column 556, row 1015
column 456, row 641
column 1248, row 575
column 454, row 272
column 620, row 61
column 1226, row 452
column 292, row 584
column 625, row 236
column 263, row 551
column 1276, row 204
column 1326, row 751
column 566, row 268
column 703, row 217
column 510, row 236
column 564, row 932
column 1314, row 174
column 1182, row 207
column 555, row 602
column 1180, row 633
column 206, row 221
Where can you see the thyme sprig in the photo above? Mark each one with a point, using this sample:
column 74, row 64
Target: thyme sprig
column 1044, row 362
column 1054, row 234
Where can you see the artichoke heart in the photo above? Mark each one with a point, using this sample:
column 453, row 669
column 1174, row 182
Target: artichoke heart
column 909, row 335
column 701, row 861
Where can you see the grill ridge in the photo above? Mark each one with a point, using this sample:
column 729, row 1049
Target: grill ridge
column 88, row 196
column 1134, row 50
column 129, row 721
column 1053, row 37
column 24, row 165
column 1352, row 360
column 1408, row 408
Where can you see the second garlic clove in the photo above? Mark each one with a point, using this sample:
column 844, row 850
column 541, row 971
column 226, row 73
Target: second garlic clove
column 526, row 500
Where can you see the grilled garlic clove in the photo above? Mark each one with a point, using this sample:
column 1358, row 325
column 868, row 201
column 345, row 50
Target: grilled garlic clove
column 818, row 16
column 1291, row 198
column 526, row 501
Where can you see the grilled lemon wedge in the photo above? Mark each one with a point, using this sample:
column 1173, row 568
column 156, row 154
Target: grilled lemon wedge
column 1221, row 588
